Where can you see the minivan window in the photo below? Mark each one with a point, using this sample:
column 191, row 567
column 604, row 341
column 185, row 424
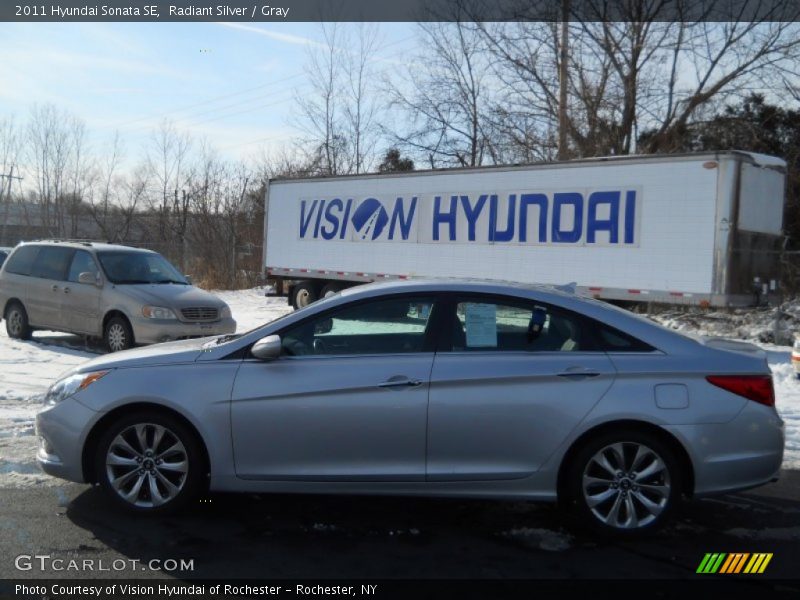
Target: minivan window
column 139, row 267
column 52, row 262
column 81, row 263
column 22, row 259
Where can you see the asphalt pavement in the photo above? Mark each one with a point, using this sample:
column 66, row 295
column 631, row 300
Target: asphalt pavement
column 288, row 536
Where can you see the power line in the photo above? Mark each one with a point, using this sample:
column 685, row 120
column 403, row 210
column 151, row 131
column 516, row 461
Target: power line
column 225, row 96
column 204, row 102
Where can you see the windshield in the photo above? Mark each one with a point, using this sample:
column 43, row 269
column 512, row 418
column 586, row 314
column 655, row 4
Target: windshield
column 139, row 267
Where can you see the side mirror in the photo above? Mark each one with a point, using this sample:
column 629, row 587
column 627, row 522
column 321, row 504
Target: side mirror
column 90, row 279
column 268, row 348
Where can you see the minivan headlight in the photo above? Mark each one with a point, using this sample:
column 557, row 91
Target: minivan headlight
column 225, row 313
column 64, row 388
column 157, row 312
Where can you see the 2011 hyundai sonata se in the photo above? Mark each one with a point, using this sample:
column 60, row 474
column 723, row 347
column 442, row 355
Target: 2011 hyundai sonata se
column 427, row 388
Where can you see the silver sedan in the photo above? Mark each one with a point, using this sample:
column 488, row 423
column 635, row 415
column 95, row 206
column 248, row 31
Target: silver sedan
column 453, row 388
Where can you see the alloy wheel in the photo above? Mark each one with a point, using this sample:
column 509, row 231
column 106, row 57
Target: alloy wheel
column 117, row 337
column 147, row 465
column 626, row 485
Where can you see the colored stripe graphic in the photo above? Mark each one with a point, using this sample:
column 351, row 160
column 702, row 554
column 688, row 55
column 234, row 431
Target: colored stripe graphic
column 758, row 563
column 734, row 563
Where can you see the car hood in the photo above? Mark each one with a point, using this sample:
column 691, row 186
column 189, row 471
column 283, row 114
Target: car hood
column 182, row 351
column 172, row 295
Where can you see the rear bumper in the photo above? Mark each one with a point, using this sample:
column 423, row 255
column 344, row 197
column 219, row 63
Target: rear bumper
column 153, row 331
column 744, row 453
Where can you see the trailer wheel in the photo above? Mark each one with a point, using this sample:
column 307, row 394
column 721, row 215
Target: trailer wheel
column 331, row 288
column 303, row 294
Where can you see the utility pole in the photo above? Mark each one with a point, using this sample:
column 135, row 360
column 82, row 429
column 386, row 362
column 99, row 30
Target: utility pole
column 6, row 199
column 563, row 58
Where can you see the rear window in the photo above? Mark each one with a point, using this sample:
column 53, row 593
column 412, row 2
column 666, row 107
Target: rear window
column 52, row 262
column 613, row 340
column 21, row 260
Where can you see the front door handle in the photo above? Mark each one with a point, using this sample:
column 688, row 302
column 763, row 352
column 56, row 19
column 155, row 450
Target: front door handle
column 393, row 383
column 66, row 290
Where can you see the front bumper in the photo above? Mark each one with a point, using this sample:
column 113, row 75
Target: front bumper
column 153, row 331
column 62, row 431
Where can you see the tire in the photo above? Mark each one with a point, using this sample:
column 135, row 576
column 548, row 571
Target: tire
column 642, row 505
column 127, row 468
column 17, row 325
column 331, row 288
column 117, row 334
column 303, row 294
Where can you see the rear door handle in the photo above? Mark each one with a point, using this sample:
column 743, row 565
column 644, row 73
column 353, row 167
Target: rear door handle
column 393, row 383
column 578, row 373
column 54, row 288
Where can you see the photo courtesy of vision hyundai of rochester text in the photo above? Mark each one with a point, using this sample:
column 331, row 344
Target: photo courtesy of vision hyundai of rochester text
column 430, row 388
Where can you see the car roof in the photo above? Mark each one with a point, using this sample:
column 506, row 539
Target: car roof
column 84, row 245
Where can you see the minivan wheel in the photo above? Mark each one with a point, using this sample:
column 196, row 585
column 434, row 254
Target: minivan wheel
column 150, row 463
column 624, row 483
column 118, row 334
column 17, row 325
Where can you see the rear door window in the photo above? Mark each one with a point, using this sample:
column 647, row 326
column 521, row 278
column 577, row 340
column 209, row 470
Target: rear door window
column 513, row 325
column 52, row 262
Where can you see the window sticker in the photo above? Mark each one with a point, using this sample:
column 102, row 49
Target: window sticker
column 481, row 322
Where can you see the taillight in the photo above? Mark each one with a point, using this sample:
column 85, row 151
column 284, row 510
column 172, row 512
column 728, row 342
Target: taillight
column 753, row 387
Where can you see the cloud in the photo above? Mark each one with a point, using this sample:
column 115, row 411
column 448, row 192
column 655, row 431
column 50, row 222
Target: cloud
column 287, row 38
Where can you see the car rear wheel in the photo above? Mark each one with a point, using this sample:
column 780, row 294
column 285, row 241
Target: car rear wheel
column 17, row 325
column 118, row 334
column 150, row 463
column 624, row 483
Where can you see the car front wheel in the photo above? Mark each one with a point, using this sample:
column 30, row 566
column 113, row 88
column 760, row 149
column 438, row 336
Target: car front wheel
column 624, row 483
column 150, row 463
column 118, row 334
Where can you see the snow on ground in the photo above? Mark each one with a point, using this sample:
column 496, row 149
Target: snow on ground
column 28, row 368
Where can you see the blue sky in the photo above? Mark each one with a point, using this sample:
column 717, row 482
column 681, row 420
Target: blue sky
column 232, row 83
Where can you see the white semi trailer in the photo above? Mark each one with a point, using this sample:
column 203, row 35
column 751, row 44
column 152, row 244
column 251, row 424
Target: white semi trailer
column 700, row 229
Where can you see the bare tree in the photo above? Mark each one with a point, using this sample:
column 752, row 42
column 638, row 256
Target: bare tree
column 361, row 98
column 9, row 151
column 445, row 95
column 167, row 157
column 321, row 115
column 48, row 150
column 635, row 65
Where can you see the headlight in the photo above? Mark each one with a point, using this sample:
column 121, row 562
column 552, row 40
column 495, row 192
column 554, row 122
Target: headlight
column 225, row 313
column 157, row 312
column 64, row 388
